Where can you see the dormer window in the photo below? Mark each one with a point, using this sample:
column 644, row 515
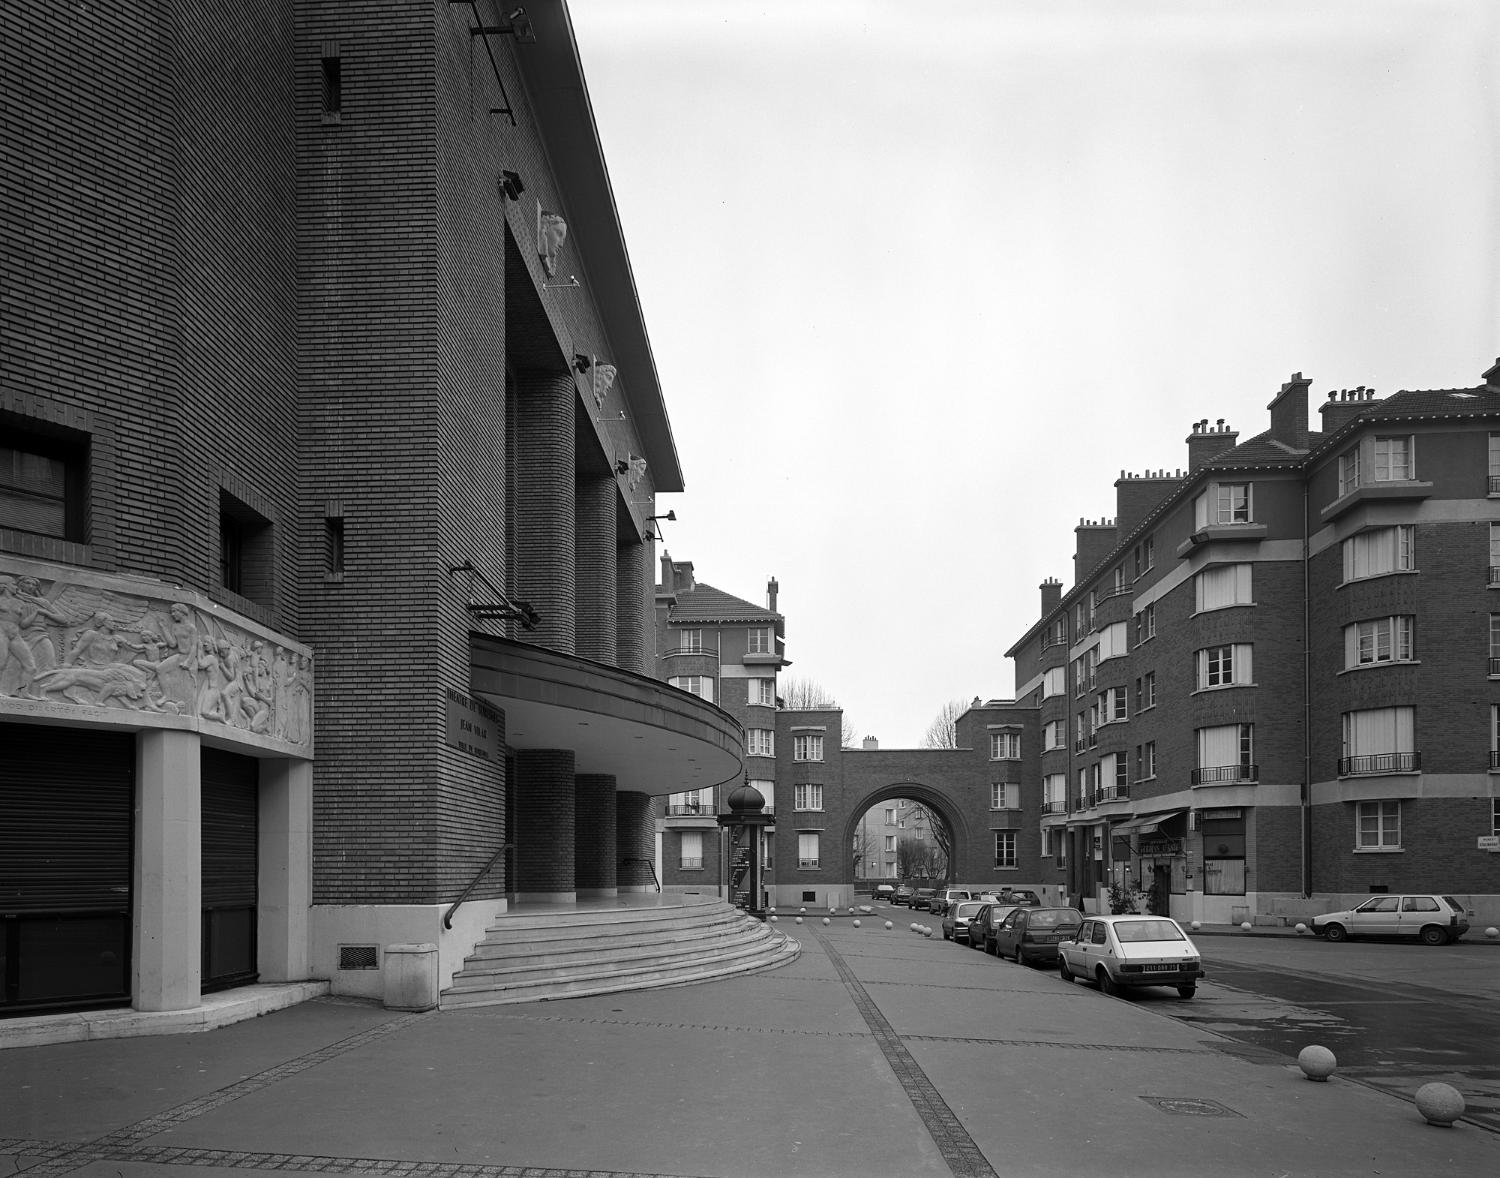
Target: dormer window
column 1222, row 503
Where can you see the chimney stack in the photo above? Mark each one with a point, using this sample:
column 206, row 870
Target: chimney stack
column 1137, row 495
column 1094, row 540
column 1492, row 376
column 1051, row 595
column 1344, row 405
column 771, row 588
column 869, row 744
column 1208, row 441
column 666, row 574
column 1289, row 413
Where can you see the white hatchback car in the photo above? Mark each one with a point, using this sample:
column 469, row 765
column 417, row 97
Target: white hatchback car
column 1434, row 919
column 1121, row 952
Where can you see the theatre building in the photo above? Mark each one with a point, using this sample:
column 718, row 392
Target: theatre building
column 329, row 437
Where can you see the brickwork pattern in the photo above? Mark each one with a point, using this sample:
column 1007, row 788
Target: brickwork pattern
column 546, row 516
column 595, row 562
column 635, row 838
column 545, row 809
column 595, row 864
column 634, row 609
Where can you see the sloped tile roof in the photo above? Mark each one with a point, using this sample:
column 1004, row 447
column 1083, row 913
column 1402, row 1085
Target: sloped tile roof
column 704, row 603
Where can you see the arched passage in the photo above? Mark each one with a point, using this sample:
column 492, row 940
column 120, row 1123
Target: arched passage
column 939, row 804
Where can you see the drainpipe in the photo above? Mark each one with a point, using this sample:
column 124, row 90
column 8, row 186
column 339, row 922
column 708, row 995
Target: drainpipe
column 1307, row 866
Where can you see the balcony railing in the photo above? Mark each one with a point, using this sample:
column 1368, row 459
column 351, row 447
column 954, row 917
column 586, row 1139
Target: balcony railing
column 1114, row 793
column 1081, row 744
column 1116, row 591
column 1051, row 640
column 1494, row 759
column 1495, row 574
column 1218, row 773
column 1495, row 666
column 1058, row 806
column 691, row 810
column 691, row 864
column 1380, row 763
column 807, row 864
column 1495, row 484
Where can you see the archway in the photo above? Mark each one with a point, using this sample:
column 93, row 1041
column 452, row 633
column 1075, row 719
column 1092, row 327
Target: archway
column 937, row 802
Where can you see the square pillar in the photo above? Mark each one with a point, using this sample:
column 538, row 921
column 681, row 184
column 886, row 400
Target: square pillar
column 166, row 955
column 284, row 892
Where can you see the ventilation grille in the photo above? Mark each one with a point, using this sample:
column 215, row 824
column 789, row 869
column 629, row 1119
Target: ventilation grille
column 359, row 957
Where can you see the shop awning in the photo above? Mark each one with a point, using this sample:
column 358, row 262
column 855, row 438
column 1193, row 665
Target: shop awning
column 1147, row 823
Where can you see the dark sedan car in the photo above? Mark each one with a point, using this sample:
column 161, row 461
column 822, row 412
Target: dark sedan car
column 1031, row 935
column 902, row 894
column 921, row 900
column 982, row 934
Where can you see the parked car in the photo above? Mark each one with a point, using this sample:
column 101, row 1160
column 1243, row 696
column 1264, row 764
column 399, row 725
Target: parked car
column 921, row 899
column 1020, row 896
column 884, row 892
column 1122, row 952
column 945, row 898
column 1433, row 919
column 994, row 916
column 1031, row 935
column 903, row 894
column 956, row 920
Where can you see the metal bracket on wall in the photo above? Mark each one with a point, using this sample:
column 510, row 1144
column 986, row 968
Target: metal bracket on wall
column 515, row 25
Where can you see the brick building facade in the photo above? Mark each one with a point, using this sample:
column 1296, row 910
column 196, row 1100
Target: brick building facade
column 324, row 378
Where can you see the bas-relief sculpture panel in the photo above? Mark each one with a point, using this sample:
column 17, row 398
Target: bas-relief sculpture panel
column 78, row 642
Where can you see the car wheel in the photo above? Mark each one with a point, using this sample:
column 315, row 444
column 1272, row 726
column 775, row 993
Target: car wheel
column 1336, row 932
column 1106, row 983
column 1434, row 934
column 1186, row 991
column 947, row 936
column 1063, row 971
column 1021, row 955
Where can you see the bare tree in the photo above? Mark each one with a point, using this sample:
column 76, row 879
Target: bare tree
column 941, row 838
column 798, row 694
column 858, row 847
column 942, row 733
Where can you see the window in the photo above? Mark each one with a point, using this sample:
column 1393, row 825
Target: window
column 1145, row 624
column 1005, row 796
column 1380, row 640
column 1377, row 826
column 1394, row 460
column 807, row 796
column 1348, row 471
column 1495, row 816
column 807, row 747
column 1048, row 841
column 690, row 640
column 690, row 802
column 333, row 99
column 1494, row 464
column 1054, row 682
column 1380, row 740
column 1005, row 746
column 1222, row 503
column 1378, row 551
column 246, row 551
column 1494, row 577
column 1122, row 775
column 890, row 815
column 1005, row 848
column 758, row 640
column 700, row 685
column 890, row 844
column 1495, row 644
column 760, row 742
column 1224, row 666
column 1224, row 854
column 767, row 790
column 1114, row 641
column 1223, row 586
column 1111, row 705
column 42, row 481
column 1054, row 793
column 761, row 692
column 807, row 850
column 690, row 850
column 1054, row 735
column 1145, row 760
column 1226, row 753
column 1145, row 556
column 333, row 547
column 1082, row 730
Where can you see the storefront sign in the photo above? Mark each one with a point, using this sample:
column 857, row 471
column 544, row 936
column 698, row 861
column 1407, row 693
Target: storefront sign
column 473, row 727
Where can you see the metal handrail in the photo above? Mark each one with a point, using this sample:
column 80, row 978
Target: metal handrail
column 473, row 883
column 650, row 866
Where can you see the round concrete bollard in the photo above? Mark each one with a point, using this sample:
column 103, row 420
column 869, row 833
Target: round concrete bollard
column 856, row 924
column 912, row 926
column 1301, row 928
column 927, row 932
column 802, row 910
column 1492, row 932
column 1197, row 924
column 826, row 921
column 1245, row 925
column 1441, row 1104
column 799, row 920
column 1317, row 1063
column 889, row 925
column 773, row 918
column 770, row 907
column 851, row 909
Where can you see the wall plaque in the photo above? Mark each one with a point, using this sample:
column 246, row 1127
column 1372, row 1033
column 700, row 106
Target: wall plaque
column 473, row 726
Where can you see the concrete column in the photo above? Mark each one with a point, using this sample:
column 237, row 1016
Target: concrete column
column 166, row 958
column 284, row 893
column 545, row 505
column 594, row 562
column 635, row 609
column 635, row 840
column 544, row 825
column 594, row 860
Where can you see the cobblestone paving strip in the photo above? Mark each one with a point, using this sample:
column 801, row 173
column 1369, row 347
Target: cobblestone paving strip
column 952, row 1139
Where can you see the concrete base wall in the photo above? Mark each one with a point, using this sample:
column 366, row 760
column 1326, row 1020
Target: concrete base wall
column 333, row 925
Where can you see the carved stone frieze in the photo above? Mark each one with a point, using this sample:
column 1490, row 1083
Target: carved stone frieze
column 604, row 379
column 551, row 232
column 74, row 643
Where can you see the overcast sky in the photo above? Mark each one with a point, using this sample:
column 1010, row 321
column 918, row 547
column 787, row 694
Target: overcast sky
column 921, row 279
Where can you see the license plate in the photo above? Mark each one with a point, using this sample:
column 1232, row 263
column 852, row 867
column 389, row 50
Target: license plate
column 1047, row 938
column 1161, row 968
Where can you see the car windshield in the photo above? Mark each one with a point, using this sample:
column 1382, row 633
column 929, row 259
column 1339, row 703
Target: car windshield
column 1053, row 917
column 1131, row 931
column 967, row 908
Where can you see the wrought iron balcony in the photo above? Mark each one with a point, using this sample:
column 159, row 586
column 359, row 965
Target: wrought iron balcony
column 1114, row 793
column 690, row 864
column 1213, row 775
column 691, row 810
column 1380, row 763
column 1060, row 807
column 807, row 864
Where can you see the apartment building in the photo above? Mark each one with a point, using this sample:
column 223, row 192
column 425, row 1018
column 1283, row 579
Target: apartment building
column 1274, row 684
column 330, row 436
column 727, row 652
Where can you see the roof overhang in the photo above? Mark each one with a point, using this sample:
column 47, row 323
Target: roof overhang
column 651, row 738
column 1147, row 823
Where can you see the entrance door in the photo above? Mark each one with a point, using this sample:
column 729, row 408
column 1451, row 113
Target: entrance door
column 67, row 804
column 230, row 868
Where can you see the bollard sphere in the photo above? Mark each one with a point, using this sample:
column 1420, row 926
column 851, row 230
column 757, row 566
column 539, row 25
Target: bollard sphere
column 799, row 920
column 889, row 925
column 856, row 924
column 802, row 910
column 1301, row 928
column 773, row 918
column 1492, row 932
column 1245, row 924
column 1197, row 924
column 827, row 921
column 1317, row 1063
column 1441, row 1104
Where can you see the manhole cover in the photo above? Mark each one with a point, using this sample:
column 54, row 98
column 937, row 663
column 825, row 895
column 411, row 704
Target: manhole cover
column 1188, row 1106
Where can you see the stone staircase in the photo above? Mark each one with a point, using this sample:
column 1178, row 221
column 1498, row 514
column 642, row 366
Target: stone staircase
column 571, row 953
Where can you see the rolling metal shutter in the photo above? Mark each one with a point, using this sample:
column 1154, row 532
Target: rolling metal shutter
column 230, row 867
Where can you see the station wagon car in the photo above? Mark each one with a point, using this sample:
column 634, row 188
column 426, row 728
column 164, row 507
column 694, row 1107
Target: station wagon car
column 1122, row 952
column 1031, row 935
column 1433, row 919
column 956, row 921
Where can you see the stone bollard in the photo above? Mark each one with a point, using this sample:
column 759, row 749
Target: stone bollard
column 1441, row 1104
column 1317, row 1063
column 411, row 981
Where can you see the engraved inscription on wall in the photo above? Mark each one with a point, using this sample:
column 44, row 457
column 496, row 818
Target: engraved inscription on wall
column 76, row 643
column 473, row 726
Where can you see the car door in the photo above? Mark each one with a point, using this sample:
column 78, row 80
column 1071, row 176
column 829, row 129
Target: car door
column 1005, row 935
column 1379, row 916
column 1417, row 911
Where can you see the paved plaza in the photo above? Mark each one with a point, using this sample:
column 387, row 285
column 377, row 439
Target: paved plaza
column 877, row 1052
